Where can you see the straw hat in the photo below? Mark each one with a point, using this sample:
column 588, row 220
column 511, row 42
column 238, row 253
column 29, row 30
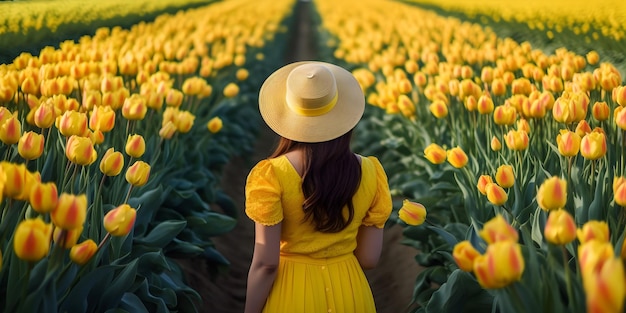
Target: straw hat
column 311, row 101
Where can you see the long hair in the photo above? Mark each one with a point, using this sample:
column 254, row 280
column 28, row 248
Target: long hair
column 331, row 177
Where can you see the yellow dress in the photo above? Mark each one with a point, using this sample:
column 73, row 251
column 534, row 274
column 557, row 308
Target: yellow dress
column 317, row 272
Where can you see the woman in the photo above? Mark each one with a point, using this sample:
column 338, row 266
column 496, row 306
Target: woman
column 318, row 208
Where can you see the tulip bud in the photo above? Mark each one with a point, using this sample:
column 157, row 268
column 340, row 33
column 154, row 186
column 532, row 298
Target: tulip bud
column 214, row 125
column 592, row 57
column 516, row 140
column 435, row 153
column 498, row 87
column 45, row 115
column 568, row 143
column 505, row 176
column 83, row 252
column 72, row 123
column 112, row 162
column 102, row 118
column 11, row 131
column 496, row 194
column 135, row 146
column 464, row 255
column 593, row 145
column 600, row 111
column 552, row 194
column 438, row 108
column 43, row 197
column 483, row 180
column 495, row 144
column 80, row 150
column 504, row 115
column 174, row 98
column 582, row 129
column 500, row 266
column 620, row 95
column 619, row 116
column 134, row 108
column 470, row 103
column 619, row 191
column 138, row 173
column 31, row 239
column 485, row 104
column 184, row 121
column 66, row 239
column 605, row 288
column 498, row 229
column 242, row 74
column 593, row 230
column 412, row 213
column 120, row 221
column 15, row 178
column 560, row 228
column 457, row 157
column 70, row 212
column 30, row 145
column 231, row 90
column 167, row 130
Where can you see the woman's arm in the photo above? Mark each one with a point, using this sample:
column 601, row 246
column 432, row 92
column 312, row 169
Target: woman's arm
column 264, row 266
column 369, row 244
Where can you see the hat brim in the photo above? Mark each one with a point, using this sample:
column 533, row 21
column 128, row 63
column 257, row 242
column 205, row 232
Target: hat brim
column 281, row 119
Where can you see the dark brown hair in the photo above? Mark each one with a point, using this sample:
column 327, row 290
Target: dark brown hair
column 332, row 174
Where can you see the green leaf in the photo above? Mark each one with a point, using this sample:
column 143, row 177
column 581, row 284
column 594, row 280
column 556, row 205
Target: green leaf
column 112, row 294
column 162, row 234
column 131, row 303
column 449, row 238
column 461, row 293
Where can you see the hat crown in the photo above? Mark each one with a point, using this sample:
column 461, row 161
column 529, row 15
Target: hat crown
column 311, row 90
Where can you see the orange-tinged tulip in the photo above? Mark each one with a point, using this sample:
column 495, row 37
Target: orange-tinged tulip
column 470, row 103
column 80, row 150
column 435, row 153
column 498, row 87
column 464, row 255
column 15, row 175
column 72, row 123
column 231, row 90
column 192, row 86
column 504, row 115
column 592, row 255
column 83, row 252
column 30, row 145
column 505, row 176
column 31, row 241
column 605, row 289
column 568, row 143
column 406, row 106
column 438, row 108
column 560, row 228
column 516, row 140
column 43, row 197
column 112, row 162
column 184, row 121
column 70, row 212
column 592, row 57
column 496, row 145
column 457, row 157
column 483, row 181
column 66, row 239
column 593, row 230
column 496, row 194
column 135, row 146
column 552, row 194
column 485, row 104
column 134, row 108
column 11, row 130
column 214, row 125
column 138, row 173
column 45, row 115
column 498, row 229
column 522, row 125
column 582, row 128
column 412, row 213
column 620, row 95
column 167, row 130
column 242, row 74
column 600, row 111
column 102, row 119
column 500, row 266
column 593, row 145
column 120, row 221
column 174, row 98
column 619, row 191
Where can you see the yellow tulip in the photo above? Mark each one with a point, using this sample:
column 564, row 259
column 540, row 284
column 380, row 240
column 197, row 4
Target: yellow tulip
column 138, row 173
column 80, row 150
column 412, row 213
column 464, row 255
column 174, row 98
column 457, row 157
column 498, row 229
column 619, row 116
column 184, row 121
column 568, row 143
column 483, row 181
column 438, row 108
column 600, row 111
column 66, row 239
column 31, row 241
column 15, row 178
column 102, row 118
column 505, row 176
column 30, row 145
column 72, row 123
column 135, row 146
column 45, row 115
column 214, row 125
column 560, row 228
column 552, row 194
column 504, row 115
column 134, row 108
column 43, row 197
column 593, row 145
column 496, row 194
column 500, row 266
column 593, row 230
column 242, row 74
column 516, row 140
column 83, row 252
column 167, row 130
column 605, row 289
column 485, row 104
column 10, row 130
column 70, row 212
column 112, row 162
column 496, row 145
column 120, row 221
column 435, row 153
column 231, row 90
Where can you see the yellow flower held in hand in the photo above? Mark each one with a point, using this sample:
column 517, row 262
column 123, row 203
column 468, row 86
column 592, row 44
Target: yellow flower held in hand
column 412, row 213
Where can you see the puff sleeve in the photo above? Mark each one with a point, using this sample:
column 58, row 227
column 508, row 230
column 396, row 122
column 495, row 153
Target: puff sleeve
column 381, row 206
column 263, row 195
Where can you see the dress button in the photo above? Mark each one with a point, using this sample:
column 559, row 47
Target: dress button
column 327, row 289
column 323, row 267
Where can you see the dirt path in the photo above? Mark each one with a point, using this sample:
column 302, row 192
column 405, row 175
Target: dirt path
column 392, row 281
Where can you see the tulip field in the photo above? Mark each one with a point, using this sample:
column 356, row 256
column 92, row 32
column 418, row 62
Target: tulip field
column 504, row 123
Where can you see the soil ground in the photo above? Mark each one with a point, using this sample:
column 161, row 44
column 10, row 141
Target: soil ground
column 391, row 282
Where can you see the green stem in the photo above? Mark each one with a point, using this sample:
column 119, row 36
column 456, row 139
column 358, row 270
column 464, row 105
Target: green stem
column 568, row 279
